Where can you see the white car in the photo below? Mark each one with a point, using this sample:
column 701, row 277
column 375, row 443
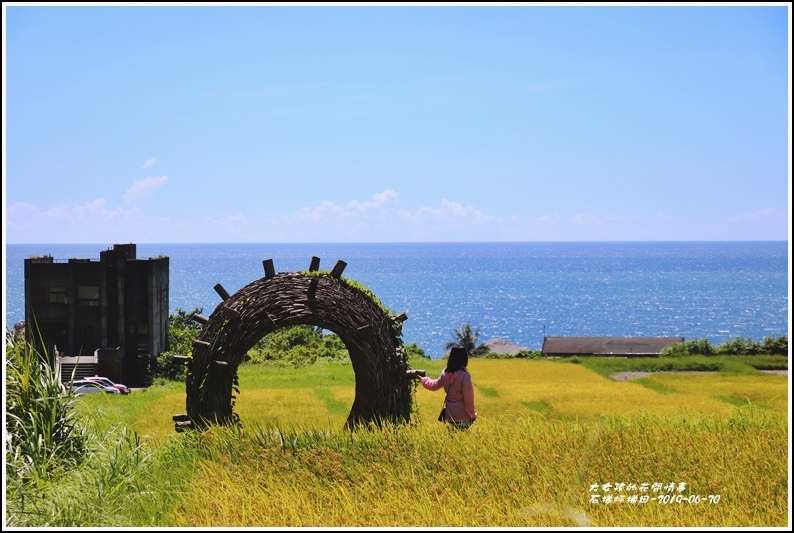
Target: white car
column 108, row 383
column 83, row 386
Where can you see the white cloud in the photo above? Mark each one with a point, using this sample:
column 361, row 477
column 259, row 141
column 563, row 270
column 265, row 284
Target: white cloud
column 30, row 223
column 379, row 199
column 380, row 219
column 448, row 212
column 325, row 210
column 150, row 162
column 22, row 209
column 95, row 208
column 142, row 187
column 328, row 209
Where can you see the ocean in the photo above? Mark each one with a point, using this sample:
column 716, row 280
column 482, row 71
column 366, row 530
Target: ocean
column 519, row 292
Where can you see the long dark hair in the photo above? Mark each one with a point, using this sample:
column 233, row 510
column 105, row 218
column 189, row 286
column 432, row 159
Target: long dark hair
column 458, row 359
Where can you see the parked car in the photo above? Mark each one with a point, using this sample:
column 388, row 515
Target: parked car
column 84, row 386
column 108, row 383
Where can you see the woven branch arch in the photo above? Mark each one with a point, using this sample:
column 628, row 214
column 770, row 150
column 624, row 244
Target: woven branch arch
column 373, row 338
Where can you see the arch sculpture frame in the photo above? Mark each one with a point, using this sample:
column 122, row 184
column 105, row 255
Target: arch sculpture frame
column 371, row 334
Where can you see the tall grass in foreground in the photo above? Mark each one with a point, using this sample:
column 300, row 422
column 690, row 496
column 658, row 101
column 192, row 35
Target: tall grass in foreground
column 111, row 486
column 547, row 434
column 525, row 473
column 511, row 474
column 44, row 433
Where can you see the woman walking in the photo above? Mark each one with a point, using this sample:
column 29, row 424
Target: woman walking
column 456, row 381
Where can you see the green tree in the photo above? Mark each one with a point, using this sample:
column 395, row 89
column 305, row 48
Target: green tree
column 467, row 337
column 778, row 346
column 413, row 350
column 182, row 331
column 297, row 346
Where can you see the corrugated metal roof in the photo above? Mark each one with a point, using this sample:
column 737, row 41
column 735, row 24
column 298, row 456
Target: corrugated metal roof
column 607, row 345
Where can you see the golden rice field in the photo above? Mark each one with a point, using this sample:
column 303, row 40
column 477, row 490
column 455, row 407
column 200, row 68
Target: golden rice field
column 554, row 445
column 509, row 389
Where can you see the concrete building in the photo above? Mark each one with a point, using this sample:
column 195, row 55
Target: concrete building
column 106, row 317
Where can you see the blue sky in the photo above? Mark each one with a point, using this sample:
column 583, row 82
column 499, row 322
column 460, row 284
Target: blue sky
column 207, row 123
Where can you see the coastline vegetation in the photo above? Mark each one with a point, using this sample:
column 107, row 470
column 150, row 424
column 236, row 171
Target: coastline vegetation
column 553, row 442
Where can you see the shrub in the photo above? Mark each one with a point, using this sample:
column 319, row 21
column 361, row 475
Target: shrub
column 414, row 350
column 43, row 431
column 700, row 347
column 737, row 346
column 297, row 346
column 746, row 346
column 679, row 349
column 182, row 331
column 529, row 354
column 691, row 347
column 777, row 346
column 740, row 346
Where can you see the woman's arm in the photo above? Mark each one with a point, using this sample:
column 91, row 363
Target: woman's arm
column 432, row 384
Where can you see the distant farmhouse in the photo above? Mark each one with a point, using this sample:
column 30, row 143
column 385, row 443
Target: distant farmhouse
column 106, row 317
column 614, row 346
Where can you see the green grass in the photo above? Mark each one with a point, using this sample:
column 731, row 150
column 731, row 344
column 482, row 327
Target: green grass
column 607, row 366
column 489, row 392
column 738, row 402
column 658, row 387
column 537, row 406
column 547, row 433
column 333, row 405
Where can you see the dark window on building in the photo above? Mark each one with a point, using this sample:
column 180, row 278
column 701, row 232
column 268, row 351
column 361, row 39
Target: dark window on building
column 57, row 295
column 88, row 295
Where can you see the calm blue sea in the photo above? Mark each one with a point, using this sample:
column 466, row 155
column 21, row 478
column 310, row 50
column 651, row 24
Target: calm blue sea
column 516, row 291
